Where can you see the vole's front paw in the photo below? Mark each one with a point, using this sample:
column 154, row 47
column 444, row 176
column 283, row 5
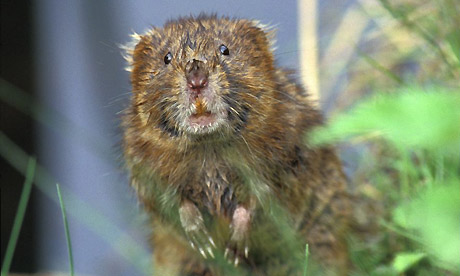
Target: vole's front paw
column 201, row 241
column 236, row 251
column 237, row 248
column 195, row 230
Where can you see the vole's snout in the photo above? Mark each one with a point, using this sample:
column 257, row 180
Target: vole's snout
column 197, row 78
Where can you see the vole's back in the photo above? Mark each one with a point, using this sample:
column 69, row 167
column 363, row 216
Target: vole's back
column 214, row 139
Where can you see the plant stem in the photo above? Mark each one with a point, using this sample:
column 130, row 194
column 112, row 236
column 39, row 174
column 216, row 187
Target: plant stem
column 67, row 232
column 24, row 199
column 306, row 260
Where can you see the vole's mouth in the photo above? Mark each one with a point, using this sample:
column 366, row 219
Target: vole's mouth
column 202, row 119
column 202, row 116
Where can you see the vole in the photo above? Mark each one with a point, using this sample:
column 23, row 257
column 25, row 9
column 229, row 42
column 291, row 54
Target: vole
column 214, row 142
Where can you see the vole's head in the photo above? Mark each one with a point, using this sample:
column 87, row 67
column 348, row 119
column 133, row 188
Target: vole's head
column 200, row 75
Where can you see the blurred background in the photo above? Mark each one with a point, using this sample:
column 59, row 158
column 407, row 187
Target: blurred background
column 63, row 85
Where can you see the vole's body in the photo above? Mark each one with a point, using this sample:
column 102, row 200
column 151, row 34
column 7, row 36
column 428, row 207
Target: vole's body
column 214, row 142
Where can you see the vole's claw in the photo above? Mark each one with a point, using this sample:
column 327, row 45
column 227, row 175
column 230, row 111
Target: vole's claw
column 232, row 257
column 212, row 242
column 200, row 240
column 202, row 253
column 236, row 251
column 195, row 230
column 210, row 251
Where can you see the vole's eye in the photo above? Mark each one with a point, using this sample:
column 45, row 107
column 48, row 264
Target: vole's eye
column 168, row 58
column 224, row 50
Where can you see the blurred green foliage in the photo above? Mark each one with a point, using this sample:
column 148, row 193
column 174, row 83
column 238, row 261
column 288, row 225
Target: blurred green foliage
column 410, row 117
column 422, row 128
column 407, row 132
column 435, row 214
column 404, row 260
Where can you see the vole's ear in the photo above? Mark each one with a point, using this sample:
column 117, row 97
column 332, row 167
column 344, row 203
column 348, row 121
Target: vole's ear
column 269, row 31
column 130, row 47
column 128, row 50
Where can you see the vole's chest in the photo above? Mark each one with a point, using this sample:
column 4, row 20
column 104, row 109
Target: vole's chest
column 212, row 188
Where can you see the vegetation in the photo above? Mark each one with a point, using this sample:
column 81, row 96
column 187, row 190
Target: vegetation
column 411, row 167
column 405, row 126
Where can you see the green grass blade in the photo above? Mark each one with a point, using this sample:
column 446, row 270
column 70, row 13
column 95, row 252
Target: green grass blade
column 67, row 232
column 376, row 65
column 121, row 242
column 19, row 216
column 305, row 268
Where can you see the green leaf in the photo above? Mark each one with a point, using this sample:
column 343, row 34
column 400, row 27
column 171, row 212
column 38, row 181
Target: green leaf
column 405, row 260
column 434, row 215
column 413, row 117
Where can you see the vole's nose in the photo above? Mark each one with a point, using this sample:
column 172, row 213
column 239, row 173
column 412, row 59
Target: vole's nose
column 197, row 78
column 197, row 81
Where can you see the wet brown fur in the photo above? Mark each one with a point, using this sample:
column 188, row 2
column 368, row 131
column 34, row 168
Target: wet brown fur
column 259, row 158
